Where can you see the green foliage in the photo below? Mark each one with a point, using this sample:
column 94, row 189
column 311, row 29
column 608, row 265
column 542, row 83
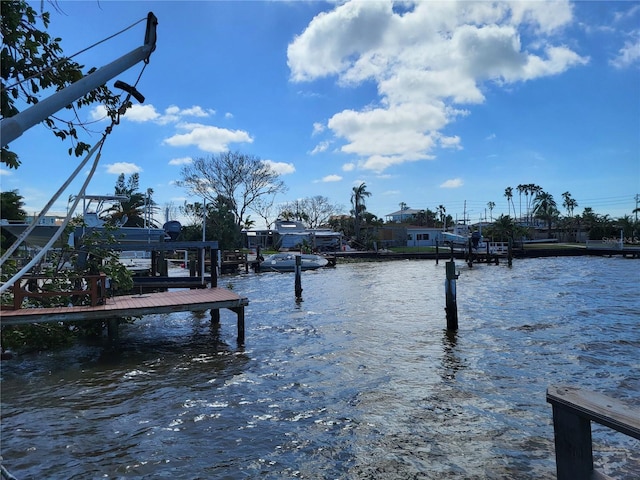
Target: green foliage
column 138, row 208
column 31, row 61
column 220, row 225
column 95, row 258
column 503, row 229
column 37, row 336
column 11, row 206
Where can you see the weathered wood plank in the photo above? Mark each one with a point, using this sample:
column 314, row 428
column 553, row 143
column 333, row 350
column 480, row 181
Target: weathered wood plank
column 131, row 305
column 573, row 411
column 597, row 407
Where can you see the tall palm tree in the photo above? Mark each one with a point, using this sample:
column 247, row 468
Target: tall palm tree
column 139, row 207
column 442, row 213
column 521, row 189
column 569, row 203
column 532, row 191
column 358, row 195
column 491, row 206
column 545, row 208
column 508, row 193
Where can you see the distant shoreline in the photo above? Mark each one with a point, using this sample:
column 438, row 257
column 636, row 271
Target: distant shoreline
column 530, row 251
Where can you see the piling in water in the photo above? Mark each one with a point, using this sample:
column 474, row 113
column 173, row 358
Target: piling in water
column 298, row 282
column 450, row 296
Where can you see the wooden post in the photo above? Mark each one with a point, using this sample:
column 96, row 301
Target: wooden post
column 574, row 455
column 240, row 312
column 257, row 264
column 201, row 260
column 437, row 253
column 112, row 330
column 298, row 281
column 214, row 267
column 510, row 253
column 450, row 296
column 192, row 267
column 573, row 411
column 470, row 258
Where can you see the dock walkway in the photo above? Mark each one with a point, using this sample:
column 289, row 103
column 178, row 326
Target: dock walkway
column 137, row 305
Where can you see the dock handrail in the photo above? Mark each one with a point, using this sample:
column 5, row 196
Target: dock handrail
column 573, row 411
column 96, row 289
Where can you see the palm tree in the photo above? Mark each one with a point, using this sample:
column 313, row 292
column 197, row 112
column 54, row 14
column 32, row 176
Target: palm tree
column 491, row 206
column 508, row 192
column 357, row 200
column 503, row 228
column 403, row 207
column 569, row 203
column 545, row 208
column 532, row 191
column 442, row 213
column 138, row 208
column 521, row 189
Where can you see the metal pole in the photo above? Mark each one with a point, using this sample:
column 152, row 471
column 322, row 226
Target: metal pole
column 13, row 127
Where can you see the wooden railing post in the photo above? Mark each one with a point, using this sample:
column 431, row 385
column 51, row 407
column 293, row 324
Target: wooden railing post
column 573, row 411
column 572, row 435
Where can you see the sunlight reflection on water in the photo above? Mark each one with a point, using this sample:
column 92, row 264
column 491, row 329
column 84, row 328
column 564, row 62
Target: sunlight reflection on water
column 359, row 380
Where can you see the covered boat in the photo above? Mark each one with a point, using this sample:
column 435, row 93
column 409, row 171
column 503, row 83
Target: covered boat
column 286, row 262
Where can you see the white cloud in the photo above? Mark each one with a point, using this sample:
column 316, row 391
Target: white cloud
column 426, row 61
column 453, row 183
column 331, row 178
column 142, row 113
column 281, row 168
column 207, row 138
column 629, row 54
column 98, row 113
column 148, row 113
column 450, row 142
column 228, row 115
column 123, row 167
column 317, row 128
column 348, row 167
column 5, row 172
column 321, row 147
column 181, row 161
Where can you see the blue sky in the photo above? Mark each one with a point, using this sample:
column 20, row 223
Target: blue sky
column 428, row 103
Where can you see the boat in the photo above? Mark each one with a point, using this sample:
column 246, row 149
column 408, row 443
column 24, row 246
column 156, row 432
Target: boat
column 95, row 224
column 94, row 210
column 38, row 237
column 461, row 236
column 286, row 262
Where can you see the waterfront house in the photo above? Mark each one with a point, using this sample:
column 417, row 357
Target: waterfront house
column 292, row 235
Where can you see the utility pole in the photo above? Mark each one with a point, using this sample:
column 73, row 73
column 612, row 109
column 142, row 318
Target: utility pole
column 637, row 197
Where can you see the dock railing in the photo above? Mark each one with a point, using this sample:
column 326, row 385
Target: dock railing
column 573, row 411
column 37, row 286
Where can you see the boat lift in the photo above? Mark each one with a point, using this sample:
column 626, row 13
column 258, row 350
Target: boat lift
column 13, row 127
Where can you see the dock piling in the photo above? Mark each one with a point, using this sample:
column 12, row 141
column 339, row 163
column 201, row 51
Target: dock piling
column 450, row 296
column 298, row 281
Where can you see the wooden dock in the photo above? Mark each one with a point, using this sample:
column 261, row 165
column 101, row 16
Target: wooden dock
column 212, row 299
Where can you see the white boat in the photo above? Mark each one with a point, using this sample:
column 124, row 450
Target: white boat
column 286, row 262
column 460, row 237
column 38, row 237
column 93, row 215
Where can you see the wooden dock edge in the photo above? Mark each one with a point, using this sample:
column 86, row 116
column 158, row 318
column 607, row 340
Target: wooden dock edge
column 213, row 299
column 573, row 411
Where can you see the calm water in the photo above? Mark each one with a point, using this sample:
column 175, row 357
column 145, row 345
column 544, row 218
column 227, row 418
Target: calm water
column 358, row 381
